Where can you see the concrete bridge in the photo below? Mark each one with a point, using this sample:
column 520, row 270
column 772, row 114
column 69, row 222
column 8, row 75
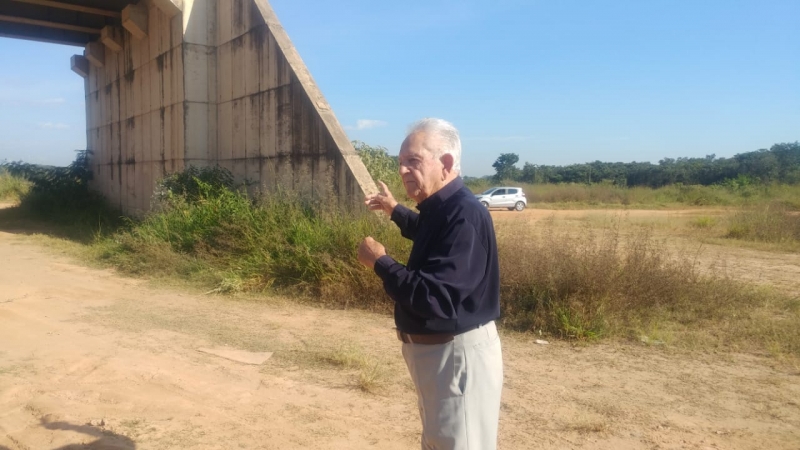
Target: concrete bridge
column 174, row 83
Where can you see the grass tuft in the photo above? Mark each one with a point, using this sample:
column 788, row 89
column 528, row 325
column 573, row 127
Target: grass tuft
column 370, row 374
column 12, row 187
column 704, row 222
column 773, row 223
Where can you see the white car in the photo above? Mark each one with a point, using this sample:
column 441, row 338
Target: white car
column 503, row 197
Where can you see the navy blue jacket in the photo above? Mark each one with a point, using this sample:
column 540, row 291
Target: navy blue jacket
column 452, row 281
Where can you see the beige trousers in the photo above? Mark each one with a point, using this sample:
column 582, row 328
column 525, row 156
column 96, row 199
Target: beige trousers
column 458, row 389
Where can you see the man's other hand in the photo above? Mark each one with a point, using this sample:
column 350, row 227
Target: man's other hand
column 382, row 201
column 369, row 251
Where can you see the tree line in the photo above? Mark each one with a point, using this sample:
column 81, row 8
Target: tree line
column 778, row 164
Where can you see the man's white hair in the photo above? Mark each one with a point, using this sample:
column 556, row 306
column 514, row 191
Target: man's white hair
column 449, row 140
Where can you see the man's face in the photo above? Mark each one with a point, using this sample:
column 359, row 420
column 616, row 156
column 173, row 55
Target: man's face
column 422, row 174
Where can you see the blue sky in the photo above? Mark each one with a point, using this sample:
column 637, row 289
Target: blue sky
column 556, row 82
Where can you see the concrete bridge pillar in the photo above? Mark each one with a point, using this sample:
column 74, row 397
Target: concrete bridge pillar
column 209, row 82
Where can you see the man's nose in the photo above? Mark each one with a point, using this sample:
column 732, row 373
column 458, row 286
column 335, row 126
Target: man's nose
column 403, row 169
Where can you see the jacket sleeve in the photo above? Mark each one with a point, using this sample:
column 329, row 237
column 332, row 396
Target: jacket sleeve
column 406, row 220
column 451, row 272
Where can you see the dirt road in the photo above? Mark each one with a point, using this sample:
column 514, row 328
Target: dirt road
column 89, row 359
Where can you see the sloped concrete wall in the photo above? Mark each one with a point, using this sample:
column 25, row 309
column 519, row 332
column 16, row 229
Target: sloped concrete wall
column 219, row 83
column 274, row 127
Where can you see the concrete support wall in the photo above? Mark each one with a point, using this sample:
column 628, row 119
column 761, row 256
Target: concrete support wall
column 134, row 110
column 219, row 83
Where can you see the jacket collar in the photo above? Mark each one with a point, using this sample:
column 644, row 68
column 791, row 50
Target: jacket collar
column 440, row 196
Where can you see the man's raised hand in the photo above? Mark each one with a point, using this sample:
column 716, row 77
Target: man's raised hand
column 383, row 200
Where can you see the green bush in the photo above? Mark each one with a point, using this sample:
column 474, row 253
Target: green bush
column 279, row 241
column 62, row 195
column 381, row 166
column 194, row 184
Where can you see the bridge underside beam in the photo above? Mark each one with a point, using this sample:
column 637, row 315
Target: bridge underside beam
column 70, row 22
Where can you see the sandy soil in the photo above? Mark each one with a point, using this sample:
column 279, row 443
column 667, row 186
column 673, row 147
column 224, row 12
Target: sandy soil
column 89, row 359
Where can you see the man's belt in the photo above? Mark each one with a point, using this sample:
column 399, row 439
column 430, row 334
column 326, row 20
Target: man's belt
column 425, row 339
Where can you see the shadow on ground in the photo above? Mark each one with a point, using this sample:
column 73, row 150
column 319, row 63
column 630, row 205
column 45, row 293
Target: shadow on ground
column 15, row 219
column 106, row 440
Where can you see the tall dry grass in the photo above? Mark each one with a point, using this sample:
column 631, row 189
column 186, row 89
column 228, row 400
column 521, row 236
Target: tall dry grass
column 599, row 282
column 12, row 187
column 772, row 223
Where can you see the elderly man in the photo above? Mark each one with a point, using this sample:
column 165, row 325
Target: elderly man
column 447, row 296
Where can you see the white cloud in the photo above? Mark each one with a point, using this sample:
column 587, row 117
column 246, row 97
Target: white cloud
column 53, row 126
column 366, row 124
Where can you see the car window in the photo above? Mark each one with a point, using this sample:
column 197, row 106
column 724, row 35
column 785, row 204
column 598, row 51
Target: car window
column 512, row 191
column 499, row 192
column 488, row 191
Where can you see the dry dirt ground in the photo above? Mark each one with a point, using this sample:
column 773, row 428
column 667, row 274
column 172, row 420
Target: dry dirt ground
column 91, row 359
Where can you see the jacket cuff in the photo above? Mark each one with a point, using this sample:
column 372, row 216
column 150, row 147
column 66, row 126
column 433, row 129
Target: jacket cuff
column 399, row 213
column 382, row 266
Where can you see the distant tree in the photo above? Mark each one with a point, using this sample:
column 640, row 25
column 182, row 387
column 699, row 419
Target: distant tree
column 788, row 156
column 528, row 174
column 505, row 168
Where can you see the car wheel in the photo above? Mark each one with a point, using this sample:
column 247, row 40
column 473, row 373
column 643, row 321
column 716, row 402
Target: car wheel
column 519, row 206
column 485, row 204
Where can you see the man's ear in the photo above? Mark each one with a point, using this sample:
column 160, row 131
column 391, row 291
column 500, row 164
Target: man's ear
column 448, row 161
